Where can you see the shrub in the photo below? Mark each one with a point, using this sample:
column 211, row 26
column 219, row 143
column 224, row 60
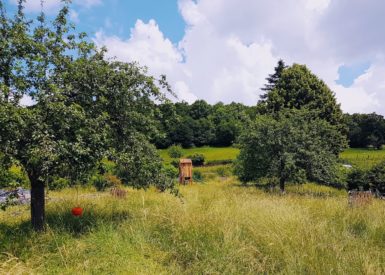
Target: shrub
column 99, row 182
column 198, row 176
column 170, row 171
column 376, row 178
column 175, row 151
column 219, row 162
column 197, row 159
column 112, row 180
column 59, row 183
column 14, row 176
column 175, row 163
column 106, row 166
column 357, row 180
column 102, row 182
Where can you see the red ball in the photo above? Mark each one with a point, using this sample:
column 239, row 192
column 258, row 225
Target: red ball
column 77, row 211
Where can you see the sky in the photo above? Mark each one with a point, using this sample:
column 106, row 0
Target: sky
column 222, row 50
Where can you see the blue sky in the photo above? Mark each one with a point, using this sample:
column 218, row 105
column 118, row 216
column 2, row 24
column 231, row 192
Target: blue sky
column 117, row 17
column 222, row 50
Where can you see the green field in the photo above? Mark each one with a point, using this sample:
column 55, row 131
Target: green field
column 216, row 228
column 363, row 158
column 210, row 153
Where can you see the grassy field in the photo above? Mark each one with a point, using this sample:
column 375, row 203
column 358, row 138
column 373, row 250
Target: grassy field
column 216, row 228
column 210, row 153
column 363, row 158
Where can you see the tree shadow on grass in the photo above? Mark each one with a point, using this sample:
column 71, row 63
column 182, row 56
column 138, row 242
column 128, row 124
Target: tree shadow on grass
column 18, row 238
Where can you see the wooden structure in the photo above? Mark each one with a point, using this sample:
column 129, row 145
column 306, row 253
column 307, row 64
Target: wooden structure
column 185, row 171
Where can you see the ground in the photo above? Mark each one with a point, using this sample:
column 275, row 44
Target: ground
column 216, row 227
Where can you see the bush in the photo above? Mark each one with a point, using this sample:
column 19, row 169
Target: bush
column 357, row 180
column 58, row 184
column 175, row 163
column 102, row 182
column 376, row 178
column 106, row 166
column 198, row 176
column 197, row 159
column 170, row 171
column 175, row 151
column 219, row 162
column 13, row 176
column 112, row 180
column 99, row 182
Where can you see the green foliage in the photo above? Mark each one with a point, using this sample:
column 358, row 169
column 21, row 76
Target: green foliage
column 103, row 182
column 357, row 180
column 298, row 88
column 373, row 179
column 376, row 178
column 140, row 165
column 59, row 184
column 291, row 147
column 274, row 78
column 13, row 176
column 198, row 176
column 197, row 159
column 170, row 171
column 201, row 124
column 175, row 151
column 366, row 130
column 175, row 163
column 87, row 107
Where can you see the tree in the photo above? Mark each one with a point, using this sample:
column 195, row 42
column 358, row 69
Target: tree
column 86, row 107
column 292, row 146
column 272, row 79
column 200, row 109
column 298, row 88
column 366, row 130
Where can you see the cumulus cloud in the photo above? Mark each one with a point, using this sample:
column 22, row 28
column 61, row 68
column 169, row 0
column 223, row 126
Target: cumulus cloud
column 148, row 46
column 230, row 46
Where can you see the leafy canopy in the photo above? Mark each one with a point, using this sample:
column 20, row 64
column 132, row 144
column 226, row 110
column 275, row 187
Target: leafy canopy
column 292, row 146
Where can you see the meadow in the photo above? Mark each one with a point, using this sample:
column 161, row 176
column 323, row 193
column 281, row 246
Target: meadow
column 363, row 158
column 210, row 153
column 358, row 157
column 216, row 227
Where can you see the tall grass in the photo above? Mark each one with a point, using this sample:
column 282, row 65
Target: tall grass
column 217, row 228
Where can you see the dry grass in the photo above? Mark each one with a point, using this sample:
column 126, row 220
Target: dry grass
column 218, row 228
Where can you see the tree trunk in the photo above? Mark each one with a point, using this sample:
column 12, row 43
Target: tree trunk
column 37, row 204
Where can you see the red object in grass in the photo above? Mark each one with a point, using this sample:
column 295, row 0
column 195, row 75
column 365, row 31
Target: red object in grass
column 77, row 211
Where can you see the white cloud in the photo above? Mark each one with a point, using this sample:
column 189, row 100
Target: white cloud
column 52, row 6
column 230, row 46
